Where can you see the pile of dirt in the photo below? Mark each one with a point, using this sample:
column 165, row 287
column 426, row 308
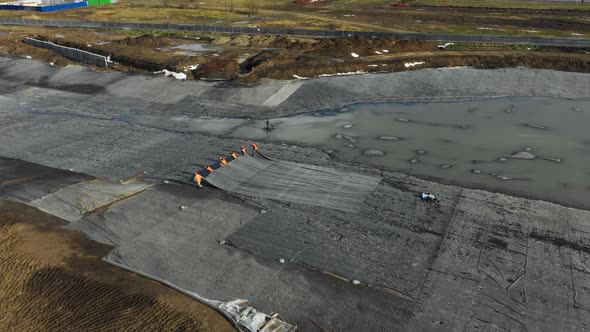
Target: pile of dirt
column 148, row 41
column 267, row 41
column 51, row 279
column 310, row 67
column 344, row 47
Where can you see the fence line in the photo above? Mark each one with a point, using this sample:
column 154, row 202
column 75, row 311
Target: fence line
column 71, row 53
column 208, row 28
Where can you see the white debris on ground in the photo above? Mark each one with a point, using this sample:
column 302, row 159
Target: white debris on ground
column 531, row 31
column 372, row 66
column 348, row 15
column 445, row 45
column 377, row 52
column 385, row 51
column 343, row 74
column 282, row 261
column 249, row 319
column 193, row 67
column 412, row 64
column 354, row 55
column 577, row 34
column 355, row 282
column 300, row 77
column 178, row 76
column 28, row 57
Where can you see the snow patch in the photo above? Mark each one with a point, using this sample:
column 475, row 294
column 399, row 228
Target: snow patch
column 377, row 52
column 485, row 28
column 178, row 76
column 385, row 51
column 300, row 77
column 343, row 74
column 412, row 64
column 354, row 55
column 445, row 45
column 193, row 67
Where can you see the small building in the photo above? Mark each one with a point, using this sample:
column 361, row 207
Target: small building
column 50, row 5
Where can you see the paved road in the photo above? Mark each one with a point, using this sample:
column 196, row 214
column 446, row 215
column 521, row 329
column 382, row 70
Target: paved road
column 496, row 39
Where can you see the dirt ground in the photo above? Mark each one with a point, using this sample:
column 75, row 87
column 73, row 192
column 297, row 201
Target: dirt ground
column 51, row 278
column 463, row 17
column 244, row 58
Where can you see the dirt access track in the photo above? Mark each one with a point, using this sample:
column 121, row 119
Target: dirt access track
column 250, row 58
column 52, row 278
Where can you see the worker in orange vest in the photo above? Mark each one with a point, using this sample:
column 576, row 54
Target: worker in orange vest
column 209, row 169
column 222, row 161
column 243, row 150
column 198, row 179
column 254, row 146
column 233, row 155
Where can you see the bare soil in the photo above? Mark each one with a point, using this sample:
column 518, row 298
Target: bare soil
column 246, row 58
column 52, row 279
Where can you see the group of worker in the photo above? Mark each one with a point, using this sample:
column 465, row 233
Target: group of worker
column 222, row 162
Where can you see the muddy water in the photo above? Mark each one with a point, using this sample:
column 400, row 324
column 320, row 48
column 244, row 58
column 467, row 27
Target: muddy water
column 535, row 147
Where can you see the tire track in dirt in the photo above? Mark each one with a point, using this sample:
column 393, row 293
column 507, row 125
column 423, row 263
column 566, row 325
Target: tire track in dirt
column 71, row 290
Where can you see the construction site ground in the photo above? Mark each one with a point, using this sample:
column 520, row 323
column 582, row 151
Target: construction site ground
column 478, row 260
column 245, row 58
column 52, row 279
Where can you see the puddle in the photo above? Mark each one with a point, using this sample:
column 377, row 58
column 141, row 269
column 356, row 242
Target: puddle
column 193, row 49
column 466, row 143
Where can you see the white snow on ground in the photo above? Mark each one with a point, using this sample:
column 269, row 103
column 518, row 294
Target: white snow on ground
column 489, row 29
column 300, row 77
column 412, row 64
column 354, row 55
column 445, row 45
column 193, row 67
column 377, row 52
column 385, row 51
column 178, row 76
column 342, row 74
